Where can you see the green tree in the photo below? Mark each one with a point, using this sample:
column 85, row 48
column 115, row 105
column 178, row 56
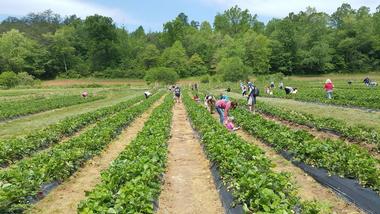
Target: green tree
column 257, row 52
column 236, row 21
column 175, row 57
column 150, row 56
column 196, row 66
column 232, row 69
column 61, row 49
column 19, row 53
column 101, row 38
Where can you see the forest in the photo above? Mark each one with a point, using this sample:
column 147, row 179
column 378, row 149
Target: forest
column 47, row 45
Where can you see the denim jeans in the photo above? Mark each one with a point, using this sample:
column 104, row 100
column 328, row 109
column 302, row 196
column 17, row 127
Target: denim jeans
column 329, row 94
column 221, row 114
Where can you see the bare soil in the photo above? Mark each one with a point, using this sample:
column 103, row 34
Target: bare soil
column 66, row 197
column 189, row 187
column 308, row 188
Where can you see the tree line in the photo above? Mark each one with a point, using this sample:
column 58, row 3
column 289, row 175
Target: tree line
column 47, row 45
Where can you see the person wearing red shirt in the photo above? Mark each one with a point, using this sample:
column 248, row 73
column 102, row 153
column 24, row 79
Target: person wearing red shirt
column 329, row 87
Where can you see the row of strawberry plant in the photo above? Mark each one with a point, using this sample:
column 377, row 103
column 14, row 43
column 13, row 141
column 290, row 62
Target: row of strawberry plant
column 16, row 148
column 244, row 167
column 356, row 133
column 352, row 133
column 10, row 110
column 363, row 98
column 133, row 180
column 25, row 181
column 338, row 157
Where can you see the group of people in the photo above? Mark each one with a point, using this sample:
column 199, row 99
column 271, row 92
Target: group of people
column 370, row 83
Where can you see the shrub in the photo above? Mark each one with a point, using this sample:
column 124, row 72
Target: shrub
column 9, row 79
column 25, row 79
column 162, row 75
column 232, row 69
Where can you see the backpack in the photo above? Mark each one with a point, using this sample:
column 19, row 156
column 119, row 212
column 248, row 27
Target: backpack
column 255, row 92
column 177, row 91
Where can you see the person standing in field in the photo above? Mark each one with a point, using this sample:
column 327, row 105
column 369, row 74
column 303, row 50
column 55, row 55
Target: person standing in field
column 177, row 94
column 254, row 92
column 329, row 87
column 223, row 107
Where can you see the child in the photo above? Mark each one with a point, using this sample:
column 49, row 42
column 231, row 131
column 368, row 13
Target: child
column 210, row 103
column 230, row 124
column 196, row 98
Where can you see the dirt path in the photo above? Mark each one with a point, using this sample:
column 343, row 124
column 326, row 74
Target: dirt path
column 66, row 197
column 308, row 188
column 188, row 187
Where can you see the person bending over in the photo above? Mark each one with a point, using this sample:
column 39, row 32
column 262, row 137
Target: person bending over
column 223, row 107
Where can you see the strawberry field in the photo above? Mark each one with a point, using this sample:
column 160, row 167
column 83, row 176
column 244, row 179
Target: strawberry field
column 119, row 152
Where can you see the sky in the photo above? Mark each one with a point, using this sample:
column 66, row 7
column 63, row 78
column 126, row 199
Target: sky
column 152, row 14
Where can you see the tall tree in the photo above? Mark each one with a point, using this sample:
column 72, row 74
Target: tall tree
column 175, row 57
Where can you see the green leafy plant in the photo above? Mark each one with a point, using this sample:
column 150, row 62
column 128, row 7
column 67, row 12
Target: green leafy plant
column 23, row 183
column 244, row 168
column 19, row 147
column 133, row 180
column 9, row 110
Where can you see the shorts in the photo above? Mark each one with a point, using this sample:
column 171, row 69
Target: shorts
column 251, row 101
column 177, row 95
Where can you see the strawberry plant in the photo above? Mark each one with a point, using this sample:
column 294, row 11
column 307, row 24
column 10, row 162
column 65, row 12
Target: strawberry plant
column 18, row 147
column 24, row 182
column 244, row 168
column 133, row 180
column 10, row 110
column 343, row 159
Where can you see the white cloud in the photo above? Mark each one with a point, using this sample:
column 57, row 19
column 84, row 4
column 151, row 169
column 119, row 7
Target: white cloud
column 64, row 7
column 281, row 8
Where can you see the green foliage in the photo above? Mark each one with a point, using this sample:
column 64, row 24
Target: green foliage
column 23, row 181
column 257, row 52
column 243, row 167
column 9, row 110
column 332, row 155
column 309, row 42
column 25, row 79
column 162, row 75
column 205, row 79
column 232, row 69
column 8, row 79
column 19, row 147
column 135, row 185
column 175, row 57
column 196, row 66
column 19, row 53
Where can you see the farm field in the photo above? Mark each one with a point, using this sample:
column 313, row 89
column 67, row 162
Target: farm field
column 125, row 152
column 190, row 107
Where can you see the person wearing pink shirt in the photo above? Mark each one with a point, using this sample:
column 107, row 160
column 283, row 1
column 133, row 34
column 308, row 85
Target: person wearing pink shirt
column 329, row 87
column 223, row 107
